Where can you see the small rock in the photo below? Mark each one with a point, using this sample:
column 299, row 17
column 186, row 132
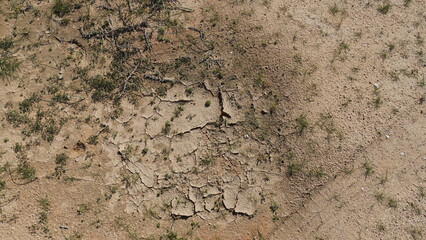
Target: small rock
column 402, row 153
column 233, row 151
column 246, row 136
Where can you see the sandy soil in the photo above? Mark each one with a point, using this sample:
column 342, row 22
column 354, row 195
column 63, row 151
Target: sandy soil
column 212, row 119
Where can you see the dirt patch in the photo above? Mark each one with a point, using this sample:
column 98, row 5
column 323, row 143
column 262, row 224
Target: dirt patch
column 211, row 119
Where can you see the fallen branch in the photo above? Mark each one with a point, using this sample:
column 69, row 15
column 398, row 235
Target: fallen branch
column 72, row 41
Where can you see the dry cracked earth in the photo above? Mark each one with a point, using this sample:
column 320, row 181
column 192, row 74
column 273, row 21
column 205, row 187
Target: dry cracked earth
column 223, row 119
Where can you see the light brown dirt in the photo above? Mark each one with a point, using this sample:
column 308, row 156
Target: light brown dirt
column 314, row 126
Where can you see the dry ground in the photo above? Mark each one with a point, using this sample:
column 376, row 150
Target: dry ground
column 196, row 119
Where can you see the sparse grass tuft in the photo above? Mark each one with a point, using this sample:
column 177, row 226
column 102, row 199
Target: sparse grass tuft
column 27, row 103
column 159, row 5
column 368, row 169
column 392, row 203
column 207, row 103
column 407, row 3
column 8, row 65
column 61, row 98
column 416, row 233
column 302, row 124
column 274, row 207
column 16, row 118
column 379, row 197
column 82, row 208
column 384, row 9
column 44, row 203
column 173, row 236
column 61, row 8
column 6, row 43
column 167, row 127
column 208, row 161
column 26, row 171
column 61, row 159
column 377, row 101
column 189, row 91
column 293, row 168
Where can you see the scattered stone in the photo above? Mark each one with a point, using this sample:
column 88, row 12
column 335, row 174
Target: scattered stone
column 234, row 151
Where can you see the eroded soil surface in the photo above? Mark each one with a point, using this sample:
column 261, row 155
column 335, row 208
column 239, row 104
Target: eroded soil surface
column 162, row 119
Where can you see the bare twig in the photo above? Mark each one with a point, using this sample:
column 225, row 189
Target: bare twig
column 114, row 32
column 126, row 81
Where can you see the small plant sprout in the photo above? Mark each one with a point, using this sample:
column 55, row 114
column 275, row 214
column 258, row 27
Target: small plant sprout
column 368, row 169
column 384, row 9
column 207, row 103
column 302, row 124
